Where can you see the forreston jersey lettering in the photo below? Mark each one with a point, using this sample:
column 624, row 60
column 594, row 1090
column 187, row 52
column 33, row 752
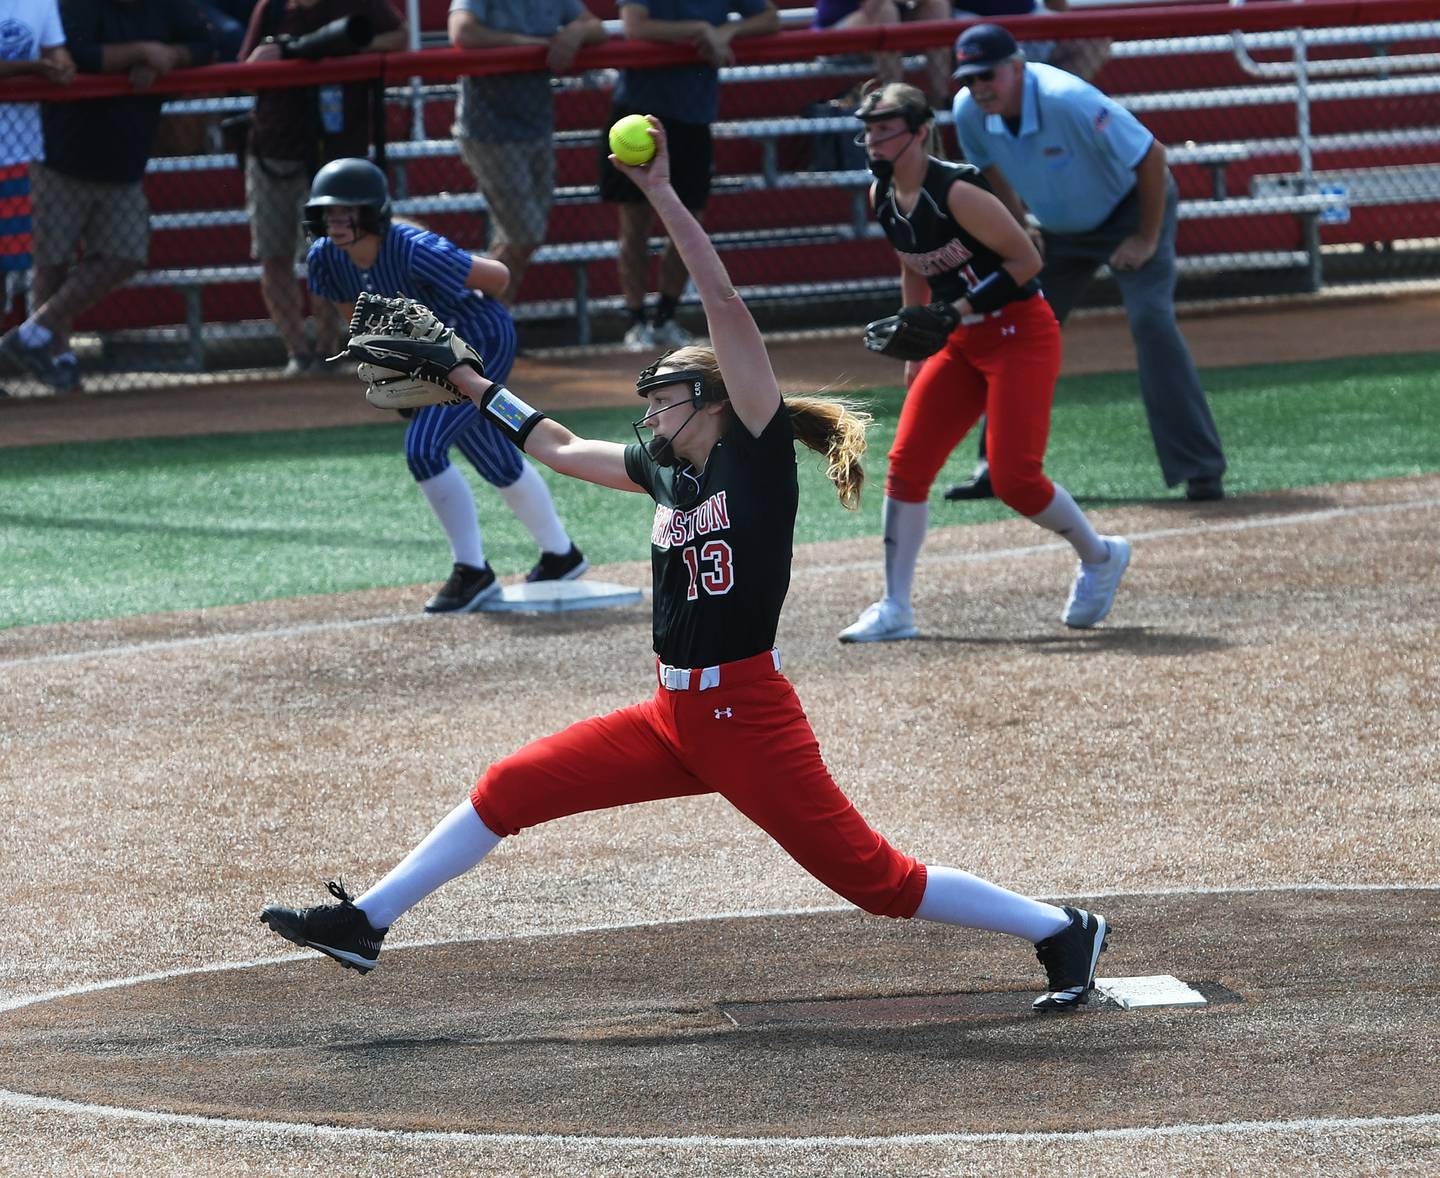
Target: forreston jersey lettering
column 931, row 242
column 721, row 544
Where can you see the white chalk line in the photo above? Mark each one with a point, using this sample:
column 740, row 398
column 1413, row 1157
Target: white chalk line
column 25, row 1102
column 342, row 625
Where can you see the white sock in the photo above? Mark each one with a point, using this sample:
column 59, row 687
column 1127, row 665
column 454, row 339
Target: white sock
column 33, row 335
column 957, row 897
column 529, row 498
column 1065, row 519
column 904, row 527
column 452, row 848
column 453, row 503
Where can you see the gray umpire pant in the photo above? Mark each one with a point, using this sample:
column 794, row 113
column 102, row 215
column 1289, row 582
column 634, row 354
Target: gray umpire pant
column 1186, row 441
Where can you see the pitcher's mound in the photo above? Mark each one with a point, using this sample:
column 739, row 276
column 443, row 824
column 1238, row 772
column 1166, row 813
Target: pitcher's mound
column 833, row 1024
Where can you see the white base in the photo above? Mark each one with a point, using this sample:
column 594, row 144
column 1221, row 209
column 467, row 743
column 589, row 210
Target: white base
column 560, row 597
column 1154, row 990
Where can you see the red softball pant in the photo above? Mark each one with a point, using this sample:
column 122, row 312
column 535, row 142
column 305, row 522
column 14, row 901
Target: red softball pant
column 746, row 739
column 1004, row 367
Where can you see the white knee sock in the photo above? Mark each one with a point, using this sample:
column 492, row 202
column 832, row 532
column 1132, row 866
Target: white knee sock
column 452, row 848
column 1065, row 519
column 529, row 498
column 904, row 526
column 453, row 503
column 957, row 897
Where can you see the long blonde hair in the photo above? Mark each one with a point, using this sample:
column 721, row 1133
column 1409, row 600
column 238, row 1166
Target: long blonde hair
column 831, row 426
column 835, row 429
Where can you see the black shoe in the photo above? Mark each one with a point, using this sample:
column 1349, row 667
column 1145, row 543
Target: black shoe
column 1070, row 958
column 977, row 486
column 1204, row 489
column 338, row 930
column 37, row 361
column 465, row 591
column 559, row 566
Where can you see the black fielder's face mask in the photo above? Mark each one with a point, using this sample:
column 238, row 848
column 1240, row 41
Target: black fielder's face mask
column 662, row 450
column 884, row 169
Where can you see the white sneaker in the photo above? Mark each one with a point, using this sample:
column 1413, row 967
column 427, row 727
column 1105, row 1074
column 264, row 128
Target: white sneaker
column 884, row 621
column 640, row 337
column 671, row 335
column 1093, row 592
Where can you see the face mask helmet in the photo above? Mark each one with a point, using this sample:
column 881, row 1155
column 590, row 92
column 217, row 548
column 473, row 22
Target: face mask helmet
column 701, row 391
column 874, row 108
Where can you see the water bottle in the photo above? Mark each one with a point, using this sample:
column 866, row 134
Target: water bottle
column 332, row 109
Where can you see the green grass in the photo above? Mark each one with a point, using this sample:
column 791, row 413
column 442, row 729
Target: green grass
column 126, row 527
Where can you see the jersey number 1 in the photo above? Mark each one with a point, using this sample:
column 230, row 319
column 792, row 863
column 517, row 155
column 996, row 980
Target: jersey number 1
column 718, row 579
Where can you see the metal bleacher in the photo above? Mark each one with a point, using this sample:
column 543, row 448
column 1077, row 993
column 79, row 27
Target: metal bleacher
column 1255, row 202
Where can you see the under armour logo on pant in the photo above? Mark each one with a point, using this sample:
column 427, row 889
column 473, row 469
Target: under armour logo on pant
column 723, row 713
column 1008, row 330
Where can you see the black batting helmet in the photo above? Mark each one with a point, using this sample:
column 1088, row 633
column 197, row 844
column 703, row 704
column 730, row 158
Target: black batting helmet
column 353, row 183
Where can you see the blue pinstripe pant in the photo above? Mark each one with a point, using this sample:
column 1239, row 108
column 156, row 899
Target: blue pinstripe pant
column 434, row 429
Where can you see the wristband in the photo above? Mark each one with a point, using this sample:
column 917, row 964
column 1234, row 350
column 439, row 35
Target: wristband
column 994, row 292
column 515, row 418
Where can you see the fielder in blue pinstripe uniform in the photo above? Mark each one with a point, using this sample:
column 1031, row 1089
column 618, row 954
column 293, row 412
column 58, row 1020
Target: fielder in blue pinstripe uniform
column 357, row 248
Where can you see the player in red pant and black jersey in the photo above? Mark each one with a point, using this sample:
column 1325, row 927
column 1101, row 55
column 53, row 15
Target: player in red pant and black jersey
column 721, row 468
column 964, row 255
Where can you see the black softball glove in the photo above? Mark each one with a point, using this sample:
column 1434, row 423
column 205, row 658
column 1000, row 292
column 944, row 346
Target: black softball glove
column 405, row 353
column 912, row 333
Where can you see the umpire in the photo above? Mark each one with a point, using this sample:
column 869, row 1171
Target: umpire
column 1097, row 186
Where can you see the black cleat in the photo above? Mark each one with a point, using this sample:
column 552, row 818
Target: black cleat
column 1070, row 958
column 1205, row 489
column 977, row 486
column 465, row 591
column 559, row 566
column 338, row 930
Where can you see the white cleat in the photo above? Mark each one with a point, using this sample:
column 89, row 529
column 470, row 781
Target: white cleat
column 1093, row 592
column 884, row 621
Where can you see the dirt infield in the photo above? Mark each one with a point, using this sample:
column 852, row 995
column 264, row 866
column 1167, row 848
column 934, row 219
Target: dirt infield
column 1255, row 715
column 1238, row 767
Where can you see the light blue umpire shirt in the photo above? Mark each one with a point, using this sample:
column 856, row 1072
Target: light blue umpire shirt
column 1074, row 159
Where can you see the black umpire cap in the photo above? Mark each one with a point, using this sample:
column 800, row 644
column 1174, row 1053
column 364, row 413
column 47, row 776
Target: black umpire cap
column 982, row 47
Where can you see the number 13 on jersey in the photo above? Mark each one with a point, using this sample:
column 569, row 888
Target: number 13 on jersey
column 710, row 569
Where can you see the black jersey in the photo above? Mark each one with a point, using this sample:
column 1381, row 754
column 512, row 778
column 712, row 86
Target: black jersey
column 931, row 242
column 721, row 544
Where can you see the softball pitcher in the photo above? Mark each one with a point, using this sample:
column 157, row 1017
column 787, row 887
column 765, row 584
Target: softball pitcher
column 720, row 465
column 359, row 249
column 959, row 246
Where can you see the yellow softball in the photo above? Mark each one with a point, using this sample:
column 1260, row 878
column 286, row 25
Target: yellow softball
column 630, row 140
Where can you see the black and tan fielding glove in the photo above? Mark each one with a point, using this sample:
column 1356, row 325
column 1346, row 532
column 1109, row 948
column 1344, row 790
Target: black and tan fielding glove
column 912, row 333
column 405, row 353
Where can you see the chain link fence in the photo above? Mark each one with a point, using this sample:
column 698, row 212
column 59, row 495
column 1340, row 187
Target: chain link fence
column 1304, row 160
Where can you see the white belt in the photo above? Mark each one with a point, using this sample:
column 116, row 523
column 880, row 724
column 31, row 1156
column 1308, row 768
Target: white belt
column 704, row 678
column 678, row 678
column 971, row 320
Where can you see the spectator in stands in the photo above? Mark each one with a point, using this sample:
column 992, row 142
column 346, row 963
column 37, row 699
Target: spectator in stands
column 686, row 99
column 228, row 20
column 294, row 131
column 505, row 123
column 32, row 41
column 1097, row 186
column 889, row 67
column 87, row 194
